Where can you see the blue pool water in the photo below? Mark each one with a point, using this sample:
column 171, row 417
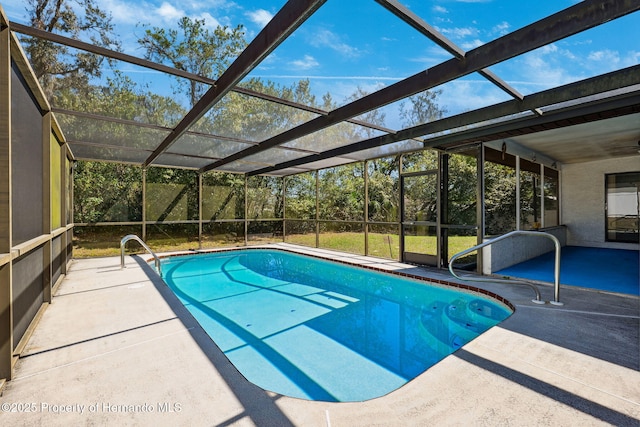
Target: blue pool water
column 320, row 330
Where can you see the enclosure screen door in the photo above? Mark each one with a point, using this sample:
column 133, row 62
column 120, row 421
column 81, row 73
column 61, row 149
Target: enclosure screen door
column 420, row 217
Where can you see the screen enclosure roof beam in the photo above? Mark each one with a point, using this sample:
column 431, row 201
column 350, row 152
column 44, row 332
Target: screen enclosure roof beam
column 581, row 90
column 575, row 19
column 434, row 35
column 290, row 17
column 119, row 56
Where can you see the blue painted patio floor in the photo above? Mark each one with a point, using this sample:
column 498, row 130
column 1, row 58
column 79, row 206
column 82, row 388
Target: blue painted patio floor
column 613, row 270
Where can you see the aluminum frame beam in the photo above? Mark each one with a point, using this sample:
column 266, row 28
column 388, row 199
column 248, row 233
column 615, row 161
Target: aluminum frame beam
column 570, row 21
column 285, row 22
column 107, row 53
column 119, row 56
column 434, row 35
column 596, row 85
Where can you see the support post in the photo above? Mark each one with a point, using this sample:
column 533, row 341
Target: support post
column 480, row 207
column 6, row 297
column 366, row 207
column 284, row 208
column 200, row 192
column 246, row 210
column 144, row 204
column 46, row 207
column 317, row 209
column 63, row 207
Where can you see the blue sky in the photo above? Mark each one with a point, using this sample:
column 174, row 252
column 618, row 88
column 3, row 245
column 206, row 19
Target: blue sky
column 350, row 44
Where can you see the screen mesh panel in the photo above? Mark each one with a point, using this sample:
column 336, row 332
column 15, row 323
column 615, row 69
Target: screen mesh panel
column 86, row 129
column 57, row 258
column 178, row 160
column 56, row 182
column 251, row 118
column 96, row 152
column 207, row 146
column 172, row 195
column 27, row 291
column 26, row 161
column 222, row 196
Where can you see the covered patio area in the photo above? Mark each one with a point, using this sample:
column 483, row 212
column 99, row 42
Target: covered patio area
column 609, row 270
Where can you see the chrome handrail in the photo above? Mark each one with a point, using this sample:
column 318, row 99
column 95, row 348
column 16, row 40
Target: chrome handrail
column 128, row 237
column 556, row 271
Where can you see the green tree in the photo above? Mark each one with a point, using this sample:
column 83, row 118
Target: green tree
column 384, row 189
column 341, row 192
column 499, row 198
column 222, row 196
column 172, row 195
column 58, row 66
column 255, row 119
column 194, row 48
column 301, row 196
column 264, row 197
column 375, row 117
column 421, row 108
column 107, row 192
column 462, row 188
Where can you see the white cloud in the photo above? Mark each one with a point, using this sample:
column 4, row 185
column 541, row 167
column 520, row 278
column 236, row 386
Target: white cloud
column 553, row 65
column 459, row 33
column 604, row 55
column 209, row 20
column 553, row 49
column 607, row 60
column 632, row 58
column 472, row 44
column 440, row 9
column 464, row 95
column 432, row 56
column 501, row 29
column 443, row 20
column 260, row 17
column 125, row 13
column 326, row 38
column 306, row 63
column 169, row 13
column 549, row 66
column 128, row 13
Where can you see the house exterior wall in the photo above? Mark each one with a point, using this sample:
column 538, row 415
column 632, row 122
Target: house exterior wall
column 517, row 249
column 583, row 200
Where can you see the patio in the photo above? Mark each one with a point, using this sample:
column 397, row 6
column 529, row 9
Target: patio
column 613, row 270
column 116, row 347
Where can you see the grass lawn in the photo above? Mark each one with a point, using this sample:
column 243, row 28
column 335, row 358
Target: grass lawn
column 380, row 245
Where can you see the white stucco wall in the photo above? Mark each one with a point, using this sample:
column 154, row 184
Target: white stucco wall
column 516, row 249
column 583, row 188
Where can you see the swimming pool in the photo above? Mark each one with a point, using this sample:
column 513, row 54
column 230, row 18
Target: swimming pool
column 320, row 330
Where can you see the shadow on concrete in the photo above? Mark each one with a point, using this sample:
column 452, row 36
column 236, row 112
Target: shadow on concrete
column 612, row 338
column 582, row 404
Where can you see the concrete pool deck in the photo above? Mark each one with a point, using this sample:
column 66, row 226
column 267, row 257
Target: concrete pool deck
column 116, row 347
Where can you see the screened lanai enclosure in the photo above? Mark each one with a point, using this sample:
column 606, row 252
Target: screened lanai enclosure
column 413, row 168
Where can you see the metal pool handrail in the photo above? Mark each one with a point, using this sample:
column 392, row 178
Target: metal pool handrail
column 556, row 271
column 128, row 237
